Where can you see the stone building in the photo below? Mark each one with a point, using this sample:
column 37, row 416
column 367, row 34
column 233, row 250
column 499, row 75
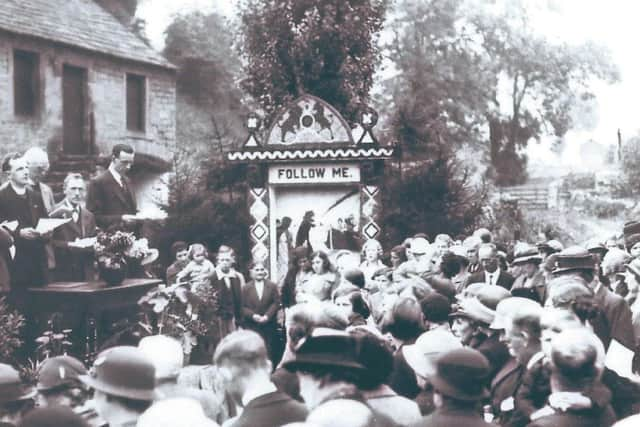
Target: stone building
column 75, row 81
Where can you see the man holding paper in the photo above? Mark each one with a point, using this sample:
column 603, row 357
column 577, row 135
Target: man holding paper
column 19, row 203
column 73, row 241
column 110, row 196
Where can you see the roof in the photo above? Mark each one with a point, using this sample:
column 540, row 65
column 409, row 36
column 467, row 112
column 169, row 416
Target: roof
column 356, row 153
column 80, row 23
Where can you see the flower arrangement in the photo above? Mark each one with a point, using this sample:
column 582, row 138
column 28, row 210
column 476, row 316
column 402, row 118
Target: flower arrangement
column 177, row 312
column 11, row 325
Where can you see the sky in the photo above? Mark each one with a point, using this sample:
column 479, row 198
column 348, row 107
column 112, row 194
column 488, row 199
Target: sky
column 612, row 23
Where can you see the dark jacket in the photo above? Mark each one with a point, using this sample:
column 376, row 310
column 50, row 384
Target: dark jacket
column 503, row 389
column 229, row 297
column 109, row 201
column 29, row 267
column 618, row 316
column 268, row 305
column 592, row 417
column 271, row 410
column 493, row 349
column 403, row 379
column 74, row 264
column 6, row 240
column 504, row 279
column 448, row 417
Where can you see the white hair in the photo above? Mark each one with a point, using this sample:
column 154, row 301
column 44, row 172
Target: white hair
column 36, row 155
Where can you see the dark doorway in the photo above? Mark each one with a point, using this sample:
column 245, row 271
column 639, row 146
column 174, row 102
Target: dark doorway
column 74, row 96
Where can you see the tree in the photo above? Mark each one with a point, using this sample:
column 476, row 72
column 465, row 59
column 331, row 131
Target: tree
column 125, row 12
column 631, row 164
column 466, row 72
column 327, row 49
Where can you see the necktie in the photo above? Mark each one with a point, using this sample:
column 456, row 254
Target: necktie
column 75, row 215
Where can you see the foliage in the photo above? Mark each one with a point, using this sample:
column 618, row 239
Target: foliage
column 328, row 49
column 631, row 164
column 11, row 325
column 54, row 341
column 487, row 71
column 209, row 102
column 113, row 249
column 434, row 197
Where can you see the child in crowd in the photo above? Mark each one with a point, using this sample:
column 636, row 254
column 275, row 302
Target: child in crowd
column 199, row 268
column 180, row 252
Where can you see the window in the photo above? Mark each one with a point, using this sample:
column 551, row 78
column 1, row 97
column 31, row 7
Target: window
column 136, row 102
column 26, row 79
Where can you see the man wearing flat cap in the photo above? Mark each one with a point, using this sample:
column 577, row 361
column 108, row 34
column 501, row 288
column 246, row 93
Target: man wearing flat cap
column 460, row 384
column 15, row 397
column 58, row 382
column 123, row 380
column 244, row 363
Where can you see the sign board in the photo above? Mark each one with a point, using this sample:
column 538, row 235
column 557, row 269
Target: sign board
column 327, row 173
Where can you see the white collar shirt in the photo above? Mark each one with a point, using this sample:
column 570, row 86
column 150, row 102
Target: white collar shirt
column 491, row 278
column 115, row 175
column 259, row 288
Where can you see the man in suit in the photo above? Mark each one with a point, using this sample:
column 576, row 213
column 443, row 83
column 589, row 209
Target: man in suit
column 260, row 304
column 459, row 386
column 111, row 197
column 19, row 203
column 242, row 359
column 530, row 282
column 490, row 273
column 74, row 263
column 6, row 242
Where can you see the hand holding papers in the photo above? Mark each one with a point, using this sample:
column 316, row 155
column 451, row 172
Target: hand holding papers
column 47, row 225
column 87, row 242
column 619, row 359
column 9, row 225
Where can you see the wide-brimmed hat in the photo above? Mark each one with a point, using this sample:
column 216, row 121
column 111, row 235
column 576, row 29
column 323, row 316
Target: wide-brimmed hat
column 11, row 387
column 462, row 374
column 507, row 308
column 123, row 371
column 526, row 254
column 422, row 355
column 573, row 258
column 335, row 349
column 59, row 371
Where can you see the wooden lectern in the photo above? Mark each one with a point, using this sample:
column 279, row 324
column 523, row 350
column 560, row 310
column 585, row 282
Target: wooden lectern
column 90, row 300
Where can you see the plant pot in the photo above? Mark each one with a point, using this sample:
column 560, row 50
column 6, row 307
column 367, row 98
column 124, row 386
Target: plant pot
column 113, row 274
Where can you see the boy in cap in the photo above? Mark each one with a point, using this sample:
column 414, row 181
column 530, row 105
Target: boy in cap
column 459, row 384
column 243, row 360
column 15, row 397
column 123, row 380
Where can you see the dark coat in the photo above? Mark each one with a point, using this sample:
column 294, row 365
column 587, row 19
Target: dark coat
column 268, row 305
column 493, row 349
column 229, row 297
column 29, row 267
column 618, row 318
column 403, row 379
column 504, row 279
column 109, row 201
column 74, row 264
column 503, row 388
column 448, row 417
column 6, row 241
column 271, row 410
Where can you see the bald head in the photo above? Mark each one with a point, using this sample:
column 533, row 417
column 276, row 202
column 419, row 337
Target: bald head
column 341, row 413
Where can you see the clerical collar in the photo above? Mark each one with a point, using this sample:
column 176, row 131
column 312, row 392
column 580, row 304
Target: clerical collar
column 115, row 174
column 19, row 192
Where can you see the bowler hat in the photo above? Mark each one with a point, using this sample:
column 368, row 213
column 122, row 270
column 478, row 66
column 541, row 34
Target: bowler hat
column 526, row 254
column 59, row 371
column 462, row 374
column 573, row 258
column 122, row 371
column 11, row 387
column 53, row 416
column 336, row 349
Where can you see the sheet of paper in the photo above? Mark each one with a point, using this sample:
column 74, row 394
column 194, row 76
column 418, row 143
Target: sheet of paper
column 9, row 225
column 619, row 359
column 87, row 242
column 46, row 225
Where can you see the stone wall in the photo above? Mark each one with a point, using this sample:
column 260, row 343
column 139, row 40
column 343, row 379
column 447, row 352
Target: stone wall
column 105, row 104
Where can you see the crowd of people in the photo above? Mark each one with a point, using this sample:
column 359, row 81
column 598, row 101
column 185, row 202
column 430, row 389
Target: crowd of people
column 447, row 332
column 439, row 333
